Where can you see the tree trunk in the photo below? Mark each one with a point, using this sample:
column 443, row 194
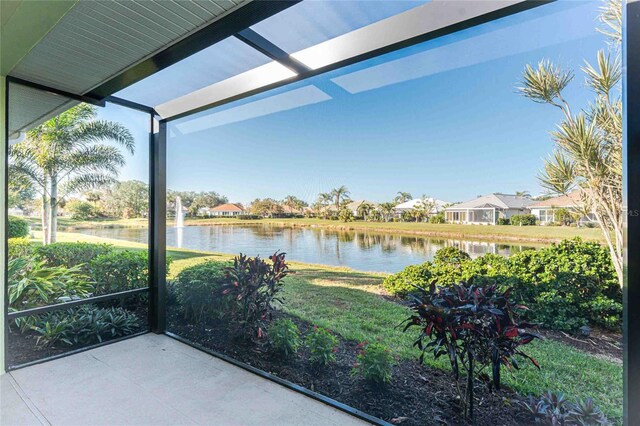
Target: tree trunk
column 44, row 211
column 53, row 223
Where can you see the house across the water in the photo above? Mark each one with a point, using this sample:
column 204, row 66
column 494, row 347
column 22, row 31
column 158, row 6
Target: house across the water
column 545, row 211
column 487, row 209
column 226, row 210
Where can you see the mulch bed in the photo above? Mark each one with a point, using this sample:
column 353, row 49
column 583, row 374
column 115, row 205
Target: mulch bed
column 418, row 395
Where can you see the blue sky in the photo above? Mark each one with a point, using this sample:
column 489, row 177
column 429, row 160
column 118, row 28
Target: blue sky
column 442, row 118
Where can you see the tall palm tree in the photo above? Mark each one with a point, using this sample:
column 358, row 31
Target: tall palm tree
column 402, row 197
column 339, row 195
column 67, row 154
column 387, row 210
column 364, row 209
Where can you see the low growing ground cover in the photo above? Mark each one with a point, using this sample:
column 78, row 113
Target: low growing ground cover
column 354, row 307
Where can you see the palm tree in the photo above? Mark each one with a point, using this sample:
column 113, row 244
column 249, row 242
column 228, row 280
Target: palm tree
column 364, row 209
column 65, row 155
column 588, row 145
column 525, row 194
column 387, row 210
column 402, row 197
column 339, row 195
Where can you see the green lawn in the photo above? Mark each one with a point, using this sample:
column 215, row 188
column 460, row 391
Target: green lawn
column 349, row 303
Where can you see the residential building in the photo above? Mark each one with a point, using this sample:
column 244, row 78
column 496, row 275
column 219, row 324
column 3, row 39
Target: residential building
column 487, row 209
column 226, row 210
column 545, row 211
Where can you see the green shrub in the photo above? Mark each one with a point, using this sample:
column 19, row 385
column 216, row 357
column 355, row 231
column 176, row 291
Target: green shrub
column 81, row 210
column 198, row 291
column 284, row 336
column 119, row 271
column 32, row 283
column 72, row 254
column 503, row 221
column 405, row 281
column 565, row 285
column 19, row 247
column 523, row 220
column 568, row 285
column 374, row 363
column 346, row 215
column 437, row 218
column 18, row 227
column 322, row 347
column 451, row 255
column 84, row 325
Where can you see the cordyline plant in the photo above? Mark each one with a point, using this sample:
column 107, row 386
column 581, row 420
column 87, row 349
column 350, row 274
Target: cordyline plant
column 254, row 285
column 588, row 145
column 474, row 327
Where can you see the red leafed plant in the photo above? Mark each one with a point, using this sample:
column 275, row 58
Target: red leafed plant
column 475, row 327
column 254, row 284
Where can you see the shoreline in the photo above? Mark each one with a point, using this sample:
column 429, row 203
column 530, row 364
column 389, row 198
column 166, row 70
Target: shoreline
column 541, row 235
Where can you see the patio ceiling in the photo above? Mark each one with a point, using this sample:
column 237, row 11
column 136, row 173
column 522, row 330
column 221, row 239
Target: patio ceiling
column 179, row 57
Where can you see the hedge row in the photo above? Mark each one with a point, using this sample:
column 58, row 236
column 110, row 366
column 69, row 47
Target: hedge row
column 566, row 286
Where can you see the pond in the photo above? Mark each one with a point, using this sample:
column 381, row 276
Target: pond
column 360, row 250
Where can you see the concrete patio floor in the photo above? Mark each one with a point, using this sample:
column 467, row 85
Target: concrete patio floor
column 153, row 380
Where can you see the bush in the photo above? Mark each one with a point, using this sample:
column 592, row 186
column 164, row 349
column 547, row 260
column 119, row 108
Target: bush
column 253, row 286
column 285, row 337
column 553, row 409
column 437, row 218
column 18, row 227
column 346, row 215
column 83, row 326
column 374, row 363
column 451, row 255
column 249, row 217
column 117, row 271
column 503, row 221
column 566, row 285
column 72, row 254
column 322, row 347
column 474, row 327
column 19, row 247
column 81, row 210
column 198, row 291
column 523, row 220
column 32, row 283
column 405, row 281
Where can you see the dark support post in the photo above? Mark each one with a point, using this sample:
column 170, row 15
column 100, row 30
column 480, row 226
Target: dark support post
column 158, row 225
column 632, row 241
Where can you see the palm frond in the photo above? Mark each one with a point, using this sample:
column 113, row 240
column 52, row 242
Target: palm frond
column 545, row 83
column 104, row 131
column 559, row 174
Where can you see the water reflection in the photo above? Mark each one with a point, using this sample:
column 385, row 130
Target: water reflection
column 361, row 250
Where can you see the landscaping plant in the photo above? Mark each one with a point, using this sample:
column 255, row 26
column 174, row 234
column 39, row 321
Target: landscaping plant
column 84, row 325
column 31, row 283
column 198, row 291
column 322, row 347
column 18, row 227
column 254, row 286
column 285, row 336
column 522, row 220
column 553, row 409
column 476, row 328
column 72, row 254
column 19, row 247
column 374, row 363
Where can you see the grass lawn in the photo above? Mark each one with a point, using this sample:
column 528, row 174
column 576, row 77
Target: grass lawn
column 350, row 303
